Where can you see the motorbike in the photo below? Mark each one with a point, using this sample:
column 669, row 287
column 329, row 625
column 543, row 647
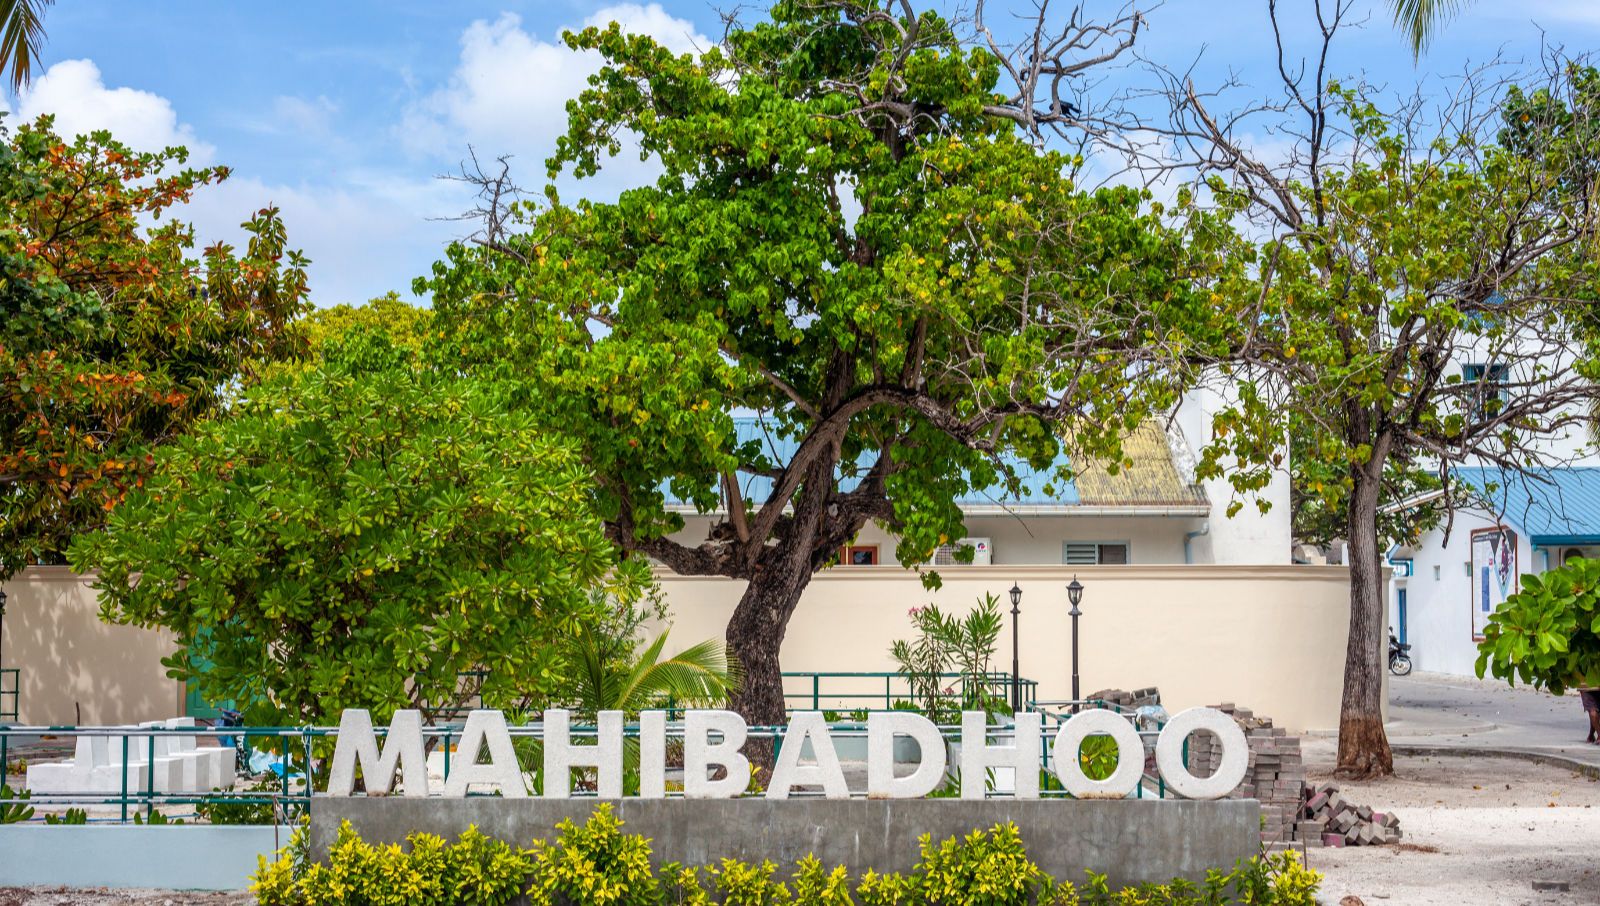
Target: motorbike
column 1399, row 656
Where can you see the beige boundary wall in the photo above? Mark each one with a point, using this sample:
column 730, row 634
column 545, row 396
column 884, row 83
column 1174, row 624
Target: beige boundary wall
column 1268, row 637
column 75, row 668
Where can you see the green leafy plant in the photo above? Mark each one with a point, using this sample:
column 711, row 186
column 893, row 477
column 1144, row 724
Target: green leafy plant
column 394, row 526
column 227, row 811
column 13, row 809
column 1547, row 634
column 70, row 816
column 945, row 644
column 596, row 862
column 156, row 818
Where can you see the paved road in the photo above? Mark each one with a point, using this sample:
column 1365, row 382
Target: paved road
column 1431, row 709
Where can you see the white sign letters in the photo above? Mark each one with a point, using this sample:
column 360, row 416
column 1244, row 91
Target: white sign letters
column 714, row 768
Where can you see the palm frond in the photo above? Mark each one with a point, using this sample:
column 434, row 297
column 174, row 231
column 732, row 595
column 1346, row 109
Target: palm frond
column 703, row 674
column 21, row 38
column 1421, row 19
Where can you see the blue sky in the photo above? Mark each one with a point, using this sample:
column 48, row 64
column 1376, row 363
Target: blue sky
column 344, row 113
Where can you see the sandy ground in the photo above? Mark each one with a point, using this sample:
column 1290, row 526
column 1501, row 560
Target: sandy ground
column 63, row 896
column 1477, row 831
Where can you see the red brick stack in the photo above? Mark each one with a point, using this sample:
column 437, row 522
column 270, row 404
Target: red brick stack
column 1329, row 819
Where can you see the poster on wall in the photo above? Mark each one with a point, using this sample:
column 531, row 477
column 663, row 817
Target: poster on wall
column 1494, row 573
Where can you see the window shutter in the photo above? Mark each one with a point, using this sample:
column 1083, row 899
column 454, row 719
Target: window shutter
column 1080, row 553
column 1114, row 554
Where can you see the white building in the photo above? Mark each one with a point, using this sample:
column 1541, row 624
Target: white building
column 1444, row 588
column 1152, row 512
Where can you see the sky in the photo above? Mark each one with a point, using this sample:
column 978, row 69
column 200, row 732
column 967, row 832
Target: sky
column 346, row 114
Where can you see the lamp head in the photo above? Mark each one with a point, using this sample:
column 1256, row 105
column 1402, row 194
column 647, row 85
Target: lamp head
column 1016, row 595
column 1075, row 591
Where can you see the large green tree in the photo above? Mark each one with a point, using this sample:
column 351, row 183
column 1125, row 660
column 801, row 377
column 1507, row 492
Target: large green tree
column 114, row 337
column 853, row 236
column 1416, row 291
column 371, row 532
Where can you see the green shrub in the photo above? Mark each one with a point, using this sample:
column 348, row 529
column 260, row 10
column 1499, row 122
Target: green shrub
column 597, row 863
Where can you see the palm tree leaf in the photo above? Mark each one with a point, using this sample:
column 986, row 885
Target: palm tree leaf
column 1421, row 19
column 21, row 38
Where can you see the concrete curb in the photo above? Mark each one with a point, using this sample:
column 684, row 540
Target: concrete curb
column 1560, row 761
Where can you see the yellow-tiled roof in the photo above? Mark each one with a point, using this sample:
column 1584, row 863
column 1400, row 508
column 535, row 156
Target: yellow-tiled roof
column 1152, row 479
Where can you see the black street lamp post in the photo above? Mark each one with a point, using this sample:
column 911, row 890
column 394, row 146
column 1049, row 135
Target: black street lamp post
column 1075, row 595
column 1016, row 682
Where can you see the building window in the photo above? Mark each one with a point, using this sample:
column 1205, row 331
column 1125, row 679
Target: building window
column 859, row 555
column 1486, row 392
column 1092, row 553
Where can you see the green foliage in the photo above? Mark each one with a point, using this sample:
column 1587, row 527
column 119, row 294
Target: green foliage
column 156, row 818
column 981, row 310
column 613, row 669
column 390, row 525
column 70, row 816
column 473, row 871
column 114, row 337
column 593, row 863
column 224, row 811
column 404, row 324
column 944, row 644
column 597, row 863
column 12, row 807
column 1547, row 635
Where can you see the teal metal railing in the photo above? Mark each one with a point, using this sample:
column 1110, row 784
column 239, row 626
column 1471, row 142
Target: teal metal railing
column 879, row 691
column 10, row 692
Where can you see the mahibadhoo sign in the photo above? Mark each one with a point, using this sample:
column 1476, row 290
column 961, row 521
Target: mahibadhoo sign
column 486, row 761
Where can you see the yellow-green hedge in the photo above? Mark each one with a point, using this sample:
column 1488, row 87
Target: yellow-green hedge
column 596, row 863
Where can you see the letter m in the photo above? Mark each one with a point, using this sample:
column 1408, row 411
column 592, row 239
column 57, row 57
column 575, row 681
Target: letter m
column 358, row 746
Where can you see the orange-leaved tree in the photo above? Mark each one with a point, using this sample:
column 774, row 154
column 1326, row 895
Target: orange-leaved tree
column 114, row 336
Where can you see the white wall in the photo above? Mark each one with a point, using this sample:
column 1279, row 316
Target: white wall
column 1036, row 540
column 1203, row 634
column 1251, row 536
column 1439, row 595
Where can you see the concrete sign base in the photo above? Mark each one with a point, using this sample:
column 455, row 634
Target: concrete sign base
column 1132, row 841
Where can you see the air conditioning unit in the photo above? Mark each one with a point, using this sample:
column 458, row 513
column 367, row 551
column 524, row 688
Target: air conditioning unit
column 982, row 552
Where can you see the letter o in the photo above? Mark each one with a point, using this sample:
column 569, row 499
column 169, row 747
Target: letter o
column 1068, row 768
column 1169, row 754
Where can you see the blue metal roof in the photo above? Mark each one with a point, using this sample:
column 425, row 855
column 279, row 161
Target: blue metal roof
column 1036, row 485
column 1551, row 506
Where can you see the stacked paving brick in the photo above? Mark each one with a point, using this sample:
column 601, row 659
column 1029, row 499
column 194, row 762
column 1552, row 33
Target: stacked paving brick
column 1329, row 819
column 1275, row 775
column 1122, row 698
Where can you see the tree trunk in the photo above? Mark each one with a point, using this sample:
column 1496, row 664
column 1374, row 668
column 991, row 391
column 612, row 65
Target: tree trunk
column 1363, row 745
column 755, row 635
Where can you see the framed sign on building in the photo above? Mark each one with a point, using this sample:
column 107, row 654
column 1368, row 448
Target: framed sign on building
column 1494, row 573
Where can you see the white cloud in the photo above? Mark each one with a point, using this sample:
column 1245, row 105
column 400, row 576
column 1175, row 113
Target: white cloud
column 367, row 235
column 304, row 115
column 509, row 91
column 74, row 91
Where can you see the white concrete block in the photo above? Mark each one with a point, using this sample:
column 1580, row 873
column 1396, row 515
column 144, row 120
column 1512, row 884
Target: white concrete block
column 500, row 772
